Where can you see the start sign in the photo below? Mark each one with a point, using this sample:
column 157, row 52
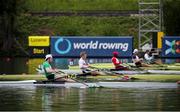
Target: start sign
column 38, row 51
column 39, row 41
column 38, row 45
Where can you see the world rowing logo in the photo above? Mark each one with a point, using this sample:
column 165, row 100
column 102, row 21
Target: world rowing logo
column 173, row 47
column 62, row 46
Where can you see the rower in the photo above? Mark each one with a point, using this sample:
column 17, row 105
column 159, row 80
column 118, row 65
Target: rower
column 117, row 63
column 148, row 57
column 50, row 72
column 138, row 61
column 84, row 66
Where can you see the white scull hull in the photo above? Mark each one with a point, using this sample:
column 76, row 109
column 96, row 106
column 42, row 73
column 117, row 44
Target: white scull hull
column 96, row 84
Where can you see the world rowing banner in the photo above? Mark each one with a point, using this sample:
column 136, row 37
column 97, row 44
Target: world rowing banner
column 171, row 47
column 71, row 46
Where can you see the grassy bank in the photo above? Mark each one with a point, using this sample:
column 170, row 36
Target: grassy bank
column 72, row 5
column 79, row 26
column 161, row 78
column 144, row 77
column 21, row 77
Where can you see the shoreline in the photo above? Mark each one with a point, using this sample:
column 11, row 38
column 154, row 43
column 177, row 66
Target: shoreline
column 141, row 77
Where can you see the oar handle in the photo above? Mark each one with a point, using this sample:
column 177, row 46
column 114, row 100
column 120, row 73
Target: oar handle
column 73, row 78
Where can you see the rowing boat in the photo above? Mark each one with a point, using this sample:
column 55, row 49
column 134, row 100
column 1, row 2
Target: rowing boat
column 163, row 72
column 92, row 84
column 149, row 72
column 130, row 72
column 18, row 82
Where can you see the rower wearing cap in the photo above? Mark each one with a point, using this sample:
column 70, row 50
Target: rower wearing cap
column 117, row 63
column 50, row 72
column 138, row 61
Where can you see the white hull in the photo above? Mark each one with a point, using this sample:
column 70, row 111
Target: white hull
column 96, row 84
column 163, row 72
column 18, row 82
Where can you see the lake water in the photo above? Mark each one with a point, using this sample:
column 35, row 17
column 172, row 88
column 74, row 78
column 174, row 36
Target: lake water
column 40, row 98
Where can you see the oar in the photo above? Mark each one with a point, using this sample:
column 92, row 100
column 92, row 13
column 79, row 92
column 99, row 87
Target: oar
column 136, row 68
column 127, row 65
column 78, row 80
column 132, row 67
column 105, row 70
column 61, row 72
column 124, row 76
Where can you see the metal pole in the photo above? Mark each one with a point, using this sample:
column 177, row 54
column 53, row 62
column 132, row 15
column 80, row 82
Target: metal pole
column 139, row 33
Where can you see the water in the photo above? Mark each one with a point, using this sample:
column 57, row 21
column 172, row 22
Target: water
column 28, row 98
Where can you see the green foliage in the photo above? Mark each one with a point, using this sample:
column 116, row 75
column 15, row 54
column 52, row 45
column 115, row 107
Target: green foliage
column 172, row 17
column 81, row 26
column 73, row 5
column 9, row 30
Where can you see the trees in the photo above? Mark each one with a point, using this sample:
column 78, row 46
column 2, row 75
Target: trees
column 9, row 11
column 171, row 9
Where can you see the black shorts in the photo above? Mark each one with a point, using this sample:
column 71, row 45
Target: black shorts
column 138, row 64
column 51, row 77
column 86, row 72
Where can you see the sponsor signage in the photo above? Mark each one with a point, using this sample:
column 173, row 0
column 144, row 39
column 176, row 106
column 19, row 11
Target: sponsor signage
column 160, row 35
column 39, row 41
column 171, row 46
column 71, row 46
column 38, row 51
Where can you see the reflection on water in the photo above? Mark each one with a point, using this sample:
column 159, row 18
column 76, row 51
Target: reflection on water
column 13, row 65
column 69, row 99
